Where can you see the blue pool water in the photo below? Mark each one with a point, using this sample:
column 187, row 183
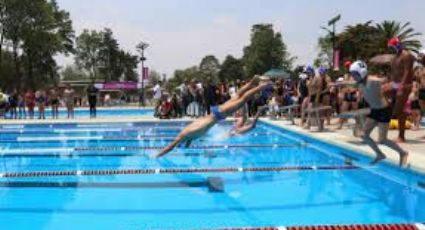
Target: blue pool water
column 324, row 191
column 101, row 112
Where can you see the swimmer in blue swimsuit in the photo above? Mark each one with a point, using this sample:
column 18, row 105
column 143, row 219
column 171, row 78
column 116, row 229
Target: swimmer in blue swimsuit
column 200, row 126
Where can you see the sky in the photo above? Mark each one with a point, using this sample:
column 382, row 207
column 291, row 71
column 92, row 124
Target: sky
column 182, row 32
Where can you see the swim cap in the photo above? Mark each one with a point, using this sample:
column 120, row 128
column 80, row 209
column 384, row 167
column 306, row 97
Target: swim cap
column 395, row 43
column 359, row 71
column 309, row 70
column 303, row 76
column 347, row 64
column 322, row 70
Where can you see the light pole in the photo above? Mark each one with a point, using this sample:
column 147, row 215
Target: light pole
column 141, row 47
column 332, row 32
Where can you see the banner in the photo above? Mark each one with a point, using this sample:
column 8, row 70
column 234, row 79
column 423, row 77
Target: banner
column 336, row 60
column 120, row 86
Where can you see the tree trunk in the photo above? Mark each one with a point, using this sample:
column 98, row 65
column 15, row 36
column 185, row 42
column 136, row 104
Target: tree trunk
column 17, row 64
column 1, row 46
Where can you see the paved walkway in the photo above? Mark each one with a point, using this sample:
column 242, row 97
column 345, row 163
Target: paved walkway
column 345, row 138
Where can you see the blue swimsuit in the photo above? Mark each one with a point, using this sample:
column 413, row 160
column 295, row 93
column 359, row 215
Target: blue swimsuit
column 217, row 114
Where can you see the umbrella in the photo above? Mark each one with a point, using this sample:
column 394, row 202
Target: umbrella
column 383, row 59
column 277, row 73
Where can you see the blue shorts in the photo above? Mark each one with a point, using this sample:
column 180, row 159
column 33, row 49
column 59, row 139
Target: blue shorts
column 217, row 114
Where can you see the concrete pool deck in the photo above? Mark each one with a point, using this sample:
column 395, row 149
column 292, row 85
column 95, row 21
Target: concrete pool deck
column 342, row 138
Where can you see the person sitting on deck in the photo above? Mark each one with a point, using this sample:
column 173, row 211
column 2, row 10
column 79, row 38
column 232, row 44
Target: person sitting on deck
column 200, row 126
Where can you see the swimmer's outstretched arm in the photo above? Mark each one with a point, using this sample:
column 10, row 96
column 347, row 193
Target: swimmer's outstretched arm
column 170, row 147
column 250, row 126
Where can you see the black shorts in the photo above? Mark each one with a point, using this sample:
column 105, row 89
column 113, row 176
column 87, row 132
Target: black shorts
column 383, row 115
column 415, row 105
column 422, row 94
column 55, row 102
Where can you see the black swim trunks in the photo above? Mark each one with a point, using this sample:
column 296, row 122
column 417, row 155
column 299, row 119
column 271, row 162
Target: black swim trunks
column 415, row 105
column 422, row 94
column 383, row 115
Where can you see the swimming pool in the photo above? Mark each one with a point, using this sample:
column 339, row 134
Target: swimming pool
column 101, row 112
column 100, row 176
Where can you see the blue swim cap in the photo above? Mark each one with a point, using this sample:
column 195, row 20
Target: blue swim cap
column 322, row 70
column 309, row 70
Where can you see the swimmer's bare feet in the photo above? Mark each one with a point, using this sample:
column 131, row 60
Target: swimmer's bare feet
column 400, row 140
column 378, row 159
column 403, row 159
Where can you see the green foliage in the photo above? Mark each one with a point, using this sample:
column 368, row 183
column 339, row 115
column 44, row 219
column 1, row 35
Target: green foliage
column 266, row 51
column 73, row 73
column 209, row 68
column 406, row 34
column 181, row 76
column 365, row 40
column 100, row 55
column 231, row 69
column 37, row 31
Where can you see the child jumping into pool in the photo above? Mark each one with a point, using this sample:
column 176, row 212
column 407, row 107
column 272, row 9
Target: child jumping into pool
column 200, row 126
column 374, row 89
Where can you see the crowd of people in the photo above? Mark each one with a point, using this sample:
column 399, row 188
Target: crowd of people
column 24, row 104
column 398, row 94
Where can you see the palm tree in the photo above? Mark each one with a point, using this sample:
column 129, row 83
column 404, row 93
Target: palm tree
column 358, row 41
column 406, row 34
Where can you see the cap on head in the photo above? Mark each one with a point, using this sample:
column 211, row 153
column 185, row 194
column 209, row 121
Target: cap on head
column 395, row 44
column 309, row 70
column 359, row 71
column 347, row 64
column 322, row 70
column 303, row 76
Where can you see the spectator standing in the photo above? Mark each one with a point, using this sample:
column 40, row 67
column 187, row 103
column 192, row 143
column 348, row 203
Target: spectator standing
column 92, row 92
column 40, row 99
column 30, row 103
column 54, row 101
column 68, row 96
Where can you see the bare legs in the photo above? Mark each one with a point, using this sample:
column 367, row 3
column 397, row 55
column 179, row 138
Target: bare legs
column 383, row 133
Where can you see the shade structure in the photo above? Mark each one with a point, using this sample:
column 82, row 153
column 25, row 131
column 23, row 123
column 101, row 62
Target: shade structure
column 278, row 73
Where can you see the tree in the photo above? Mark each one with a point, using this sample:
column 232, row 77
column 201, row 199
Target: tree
column 88, row 52
column 37, row 31
column 406, row 34
column 99, row 53
column 325, row 51
column 209, row 67
column 231, row 69
column 266, row 51
column 359, row 41
column 181, row 76
column 73, row 73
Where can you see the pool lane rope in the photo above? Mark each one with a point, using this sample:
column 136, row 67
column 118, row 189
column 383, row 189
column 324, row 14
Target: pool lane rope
column 340, row 227
column 193, row 147
column 172, row 171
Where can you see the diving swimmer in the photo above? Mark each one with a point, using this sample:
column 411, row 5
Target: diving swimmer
column 200, row 126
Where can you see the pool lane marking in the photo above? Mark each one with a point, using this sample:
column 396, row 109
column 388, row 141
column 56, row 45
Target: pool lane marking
column 103, row 185
column 85, row 149
column 192, row 147
column 420, row 226
column 172, row 171
column 338, row 227
column 36, row 150
column 58, row 138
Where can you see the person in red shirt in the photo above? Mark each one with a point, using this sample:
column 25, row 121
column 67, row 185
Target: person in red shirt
column 30, row 103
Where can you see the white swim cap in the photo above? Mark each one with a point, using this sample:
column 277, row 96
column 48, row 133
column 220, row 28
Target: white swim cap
column 358, row 70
